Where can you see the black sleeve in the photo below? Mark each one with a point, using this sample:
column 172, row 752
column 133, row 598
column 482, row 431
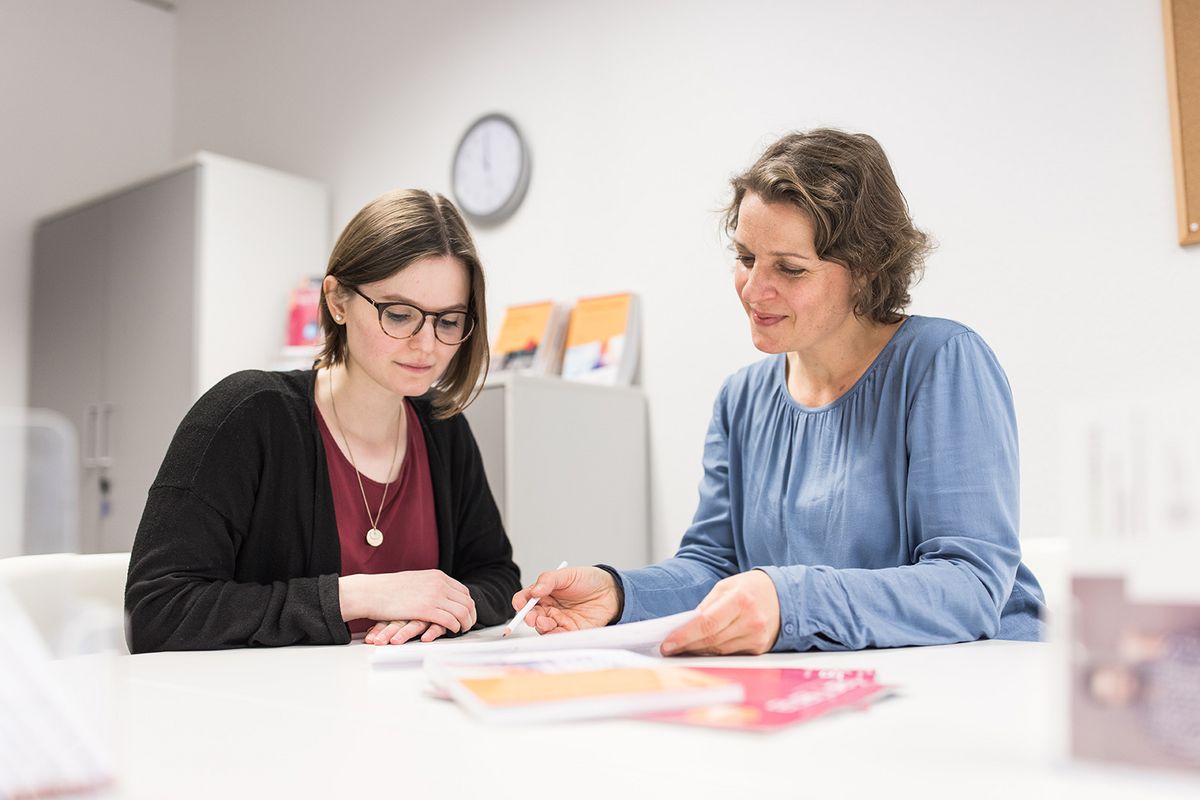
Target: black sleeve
column 181, row 592
column 616, row 576
column 482, row 553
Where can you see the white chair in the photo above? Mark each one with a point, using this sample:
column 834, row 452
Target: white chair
column 76, row 602
column 39, row 483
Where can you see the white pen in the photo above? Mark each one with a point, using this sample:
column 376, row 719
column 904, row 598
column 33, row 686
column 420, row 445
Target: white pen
column 520, row 617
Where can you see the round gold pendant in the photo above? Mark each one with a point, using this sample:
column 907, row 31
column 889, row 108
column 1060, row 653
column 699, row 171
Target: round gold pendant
column 374, row 537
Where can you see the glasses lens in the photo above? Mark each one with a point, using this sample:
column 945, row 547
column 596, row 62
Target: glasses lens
column 453, row 327
column 402, row 321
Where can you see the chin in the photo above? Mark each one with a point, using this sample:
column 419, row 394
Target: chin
column 766, row 344
column 413, row 388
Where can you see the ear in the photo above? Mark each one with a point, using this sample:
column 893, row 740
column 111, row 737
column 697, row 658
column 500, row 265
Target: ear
column 334, row 298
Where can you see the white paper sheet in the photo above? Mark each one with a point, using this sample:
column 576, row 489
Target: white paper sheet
column 641, row 637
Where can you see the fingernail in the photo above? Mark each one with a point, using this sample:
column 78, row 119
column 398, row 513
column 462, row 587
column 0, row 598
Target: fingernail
column 667, row 649
column 537, row 587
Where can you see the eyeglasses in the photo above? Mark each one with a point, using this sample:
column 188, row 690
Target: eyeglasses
column 404, row 320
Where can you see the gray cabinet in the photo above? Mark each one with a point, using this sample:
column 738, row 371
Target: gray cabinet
column 567, row 464
column 143, row 298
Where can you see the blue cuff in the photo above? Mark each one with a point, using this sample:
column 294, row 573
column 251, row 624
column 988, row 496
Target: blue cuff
column 794, row 629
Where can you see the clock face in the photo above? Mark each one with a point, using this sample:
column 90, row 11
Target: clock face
column 491, row 169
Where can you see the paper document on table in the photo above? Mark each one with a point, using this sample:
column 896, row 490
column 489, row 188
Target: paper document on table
column 641, row 637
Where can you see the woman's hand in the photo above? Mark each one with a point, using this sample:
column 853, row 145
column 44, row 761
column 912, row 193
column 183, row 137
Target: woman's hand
column 572, row 598
column 740, row 615
column 399, row 632
column 416, row 596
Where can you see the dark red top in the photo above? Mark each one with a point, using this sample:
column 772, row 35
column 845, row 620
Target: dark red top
column 408, row 523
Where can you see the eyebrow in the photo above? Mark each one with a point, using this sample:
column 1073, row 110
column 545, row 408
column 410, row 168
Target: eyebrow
column 776, row 253
column 396, row 298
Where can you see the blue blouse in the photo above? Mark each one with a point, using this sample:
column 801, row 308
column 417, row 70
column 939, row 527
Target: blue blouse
column 886, row 518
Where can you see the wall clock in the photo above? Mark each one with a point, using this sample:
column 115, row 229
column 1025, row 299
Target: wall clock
column 490, row 172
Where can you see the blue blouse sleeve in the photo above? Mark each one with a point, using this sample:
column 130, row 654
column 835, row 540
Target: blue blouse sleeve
column 961, row 507
column 706, row 554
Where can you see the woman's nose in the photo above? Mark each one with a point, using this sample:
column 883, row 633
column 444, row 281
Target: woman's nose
column 424, row 339
column 754, row 286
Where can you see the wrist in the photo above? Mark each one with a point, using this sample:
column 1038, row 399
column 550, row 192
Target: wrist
column 618, row 592
column 350, row 597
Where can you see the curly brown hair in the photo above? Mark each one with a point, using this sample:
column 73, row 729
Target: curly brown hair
column 845, row 185
column 387, row 235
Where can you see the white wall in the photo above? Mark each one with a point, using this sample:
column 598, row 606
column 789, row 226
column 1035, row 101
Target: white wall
column 1031, row 139
column 86, row 88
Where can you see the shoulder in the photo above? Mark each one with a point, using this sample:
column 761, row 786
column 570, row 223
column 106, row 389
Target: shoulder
column 927, row 335
column 229, row 419
column 922, row 341
column 260, row 385
column 946, row 361
column 252, row 395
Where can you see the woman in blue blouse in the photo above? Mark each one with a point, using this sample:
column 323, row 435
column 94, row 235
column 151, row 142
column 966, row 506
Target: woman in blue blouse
column 861, row 483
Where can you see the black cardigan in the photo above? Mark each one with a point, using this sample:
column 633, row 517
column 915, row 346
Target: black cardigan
column 238, row 545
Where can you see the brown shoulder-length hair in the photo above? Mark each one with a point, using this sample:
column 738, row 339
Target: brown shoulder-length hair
column 845, row 185
column 387, row 235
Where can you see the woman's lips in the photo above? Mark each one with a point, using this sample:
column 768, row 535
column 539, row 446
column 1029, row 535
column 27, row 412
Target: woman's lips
column 764, row 320
column 418, row 368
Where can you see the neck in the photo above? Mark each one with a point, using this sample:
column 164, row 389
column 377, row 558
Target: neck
column 823, row 373
column 364, row 409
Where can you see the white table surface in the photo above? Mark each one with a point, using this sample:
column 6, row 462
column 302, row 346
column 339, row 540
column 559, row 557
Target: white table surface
column 984, row 719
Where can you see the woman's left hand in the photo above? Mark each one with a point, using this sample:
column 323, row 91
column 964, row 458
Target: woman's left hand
column 739, row 616
column 399, row 632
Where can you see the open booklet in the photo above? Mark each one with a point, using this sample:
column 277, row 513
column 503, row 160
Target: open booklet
column 641, row 637
column 575, row 684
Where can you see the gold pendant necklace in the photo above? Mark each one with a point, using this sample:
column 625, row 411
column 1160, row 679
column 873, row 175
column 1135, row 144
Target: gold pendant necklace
column 374, row 535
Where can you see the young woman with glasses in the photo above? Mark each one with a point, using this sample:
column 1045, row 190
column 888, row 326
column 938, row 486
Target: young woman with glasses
column 860, row 484
column 302, row 507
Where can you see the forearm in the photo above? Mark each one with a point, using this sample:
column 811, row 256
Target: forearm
column 181, row 593
column 492, row 588
column 931, row 602
column 179, row 614
column 669, row 587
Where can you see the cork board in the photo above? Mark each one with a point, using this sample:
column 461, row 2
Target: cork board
column 1181, row 24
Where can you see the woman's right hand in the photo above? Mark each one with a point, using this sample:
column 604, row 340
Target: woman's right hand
column 572, row 598
column 428, row 595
